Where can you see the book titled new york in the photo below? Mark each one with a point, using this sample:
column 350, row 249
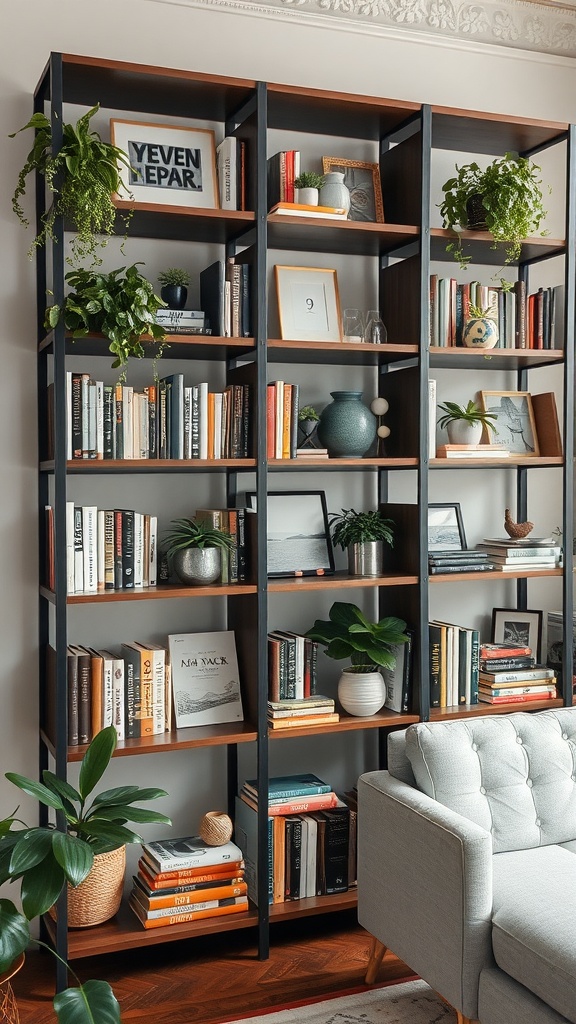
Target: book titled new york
column 188, row 852
column 205, row 678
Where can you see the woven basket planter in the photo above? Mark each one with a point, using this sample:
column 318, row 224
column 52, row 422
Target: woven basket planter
column 98, row 897
column 8, row 1005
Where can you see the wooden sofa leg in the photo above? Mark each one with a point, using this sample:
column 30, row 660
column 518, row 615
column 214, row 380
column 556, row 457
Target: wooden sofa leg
column 461, row 1019
column 376, row 956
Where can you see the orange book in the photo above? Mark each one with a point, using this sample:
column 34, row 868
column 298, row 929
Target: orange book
column 184, row 899
column 299, row 805
column 270, row 421
column 210, row 425
column 207, row 873
column 294, row 723
column 286, row 421
column 199, row 915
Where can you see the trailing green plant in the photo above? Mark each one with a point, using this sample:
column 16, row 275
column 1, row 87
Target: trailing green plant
column 309, row 179
column 121, row 305
column 349, row 634
column 470, row 414
column 190, row 533
column 83, row 176
column 351, row 527
column 45, row 859
column 174, row 276
column 511, row 198
column 308, row 412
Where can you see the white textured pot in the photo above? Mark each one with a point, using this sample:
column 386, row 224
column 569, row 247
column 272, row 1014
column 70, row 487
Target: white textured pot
column 461, row 432
column 307, row 196
column 361, row 693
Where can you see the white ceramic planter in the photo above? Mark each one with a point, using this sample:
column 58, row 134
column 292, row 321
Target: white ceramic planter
column 461, row 432
column 306, row 196
column 361, row 693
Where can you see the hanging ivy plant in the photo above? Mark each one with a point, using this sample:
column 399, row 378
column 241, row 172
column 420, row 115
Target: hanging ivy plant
column 82, row 175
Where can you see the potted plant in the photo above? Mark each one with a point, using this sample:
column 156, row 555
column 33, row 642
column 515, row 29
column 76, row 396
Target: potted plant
column 83, row 176
column 465, row 425
column 46, row 859
column 307, row 423
column 308, row 185
column 369, row 645
column 480, row 327
column 363, row 534
column 194, row 550
column 121, row 305
column 174, row 290
column 504, row 199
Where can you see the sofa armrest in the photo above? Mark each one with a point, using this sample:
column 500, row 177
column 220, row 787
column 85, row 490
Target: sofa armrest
column 425, row 886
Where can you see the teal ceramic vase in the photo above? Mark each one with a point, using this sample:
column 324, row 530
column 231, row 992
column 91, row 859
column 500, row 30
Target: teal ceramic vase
column 347, row 428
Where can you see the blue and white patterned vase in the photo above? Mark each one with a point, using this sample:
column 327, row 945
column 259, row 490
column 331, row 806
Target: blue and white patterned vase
column 480, row 332
column 347, row 428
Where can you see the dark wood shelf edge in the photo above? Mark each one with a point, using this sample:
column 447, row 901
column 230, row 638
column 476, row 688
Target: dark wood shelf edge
column 160, row 593
column 226, row 734
column 348, row 723
column 491, row 575
column 473, row 710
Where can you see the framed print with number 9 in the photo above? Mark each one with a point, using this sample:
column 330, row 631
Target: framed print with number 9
column 308, row 304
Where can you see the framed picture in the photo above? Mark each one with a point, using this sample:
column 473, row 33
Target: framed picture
column 445, row 527
column 308, row 304
column 514, row 421
column 298, row 535
column 169, row 165
column 510, row 626
column 363, row 183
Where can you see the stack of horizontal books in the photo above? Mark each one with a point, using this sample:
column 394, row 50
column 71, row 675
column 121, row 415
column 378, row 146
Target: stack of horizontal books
column 300, row 712
column 532, row 554
column 440, row 562
column 509, row 675
column 183, row 880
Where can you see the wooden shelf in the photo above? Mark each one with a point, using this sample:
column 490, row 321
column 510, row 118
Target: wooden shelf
column 476, row 710
column 300, row 109
column 340, row 579
column 306, row 463
column 100, row 466
column 336, row 353
column 520, row 574
column 184, row 223
column 348, row 723
column 478, row 244
column 178, row 346
column 356, row 238
column 223, row 734
column 292, row 909
column 472, row 131
column 159, row 593
column 493, row 359
column 512, row 462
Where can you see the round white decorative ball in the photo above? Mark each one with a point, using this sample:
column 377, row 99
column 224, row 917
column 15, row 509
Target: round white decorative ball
column 379, row 406
column 383, row 431
column 216, row 828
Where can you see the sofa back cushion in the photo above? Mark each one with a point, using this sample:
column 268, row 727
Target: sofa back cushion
column 515, row 775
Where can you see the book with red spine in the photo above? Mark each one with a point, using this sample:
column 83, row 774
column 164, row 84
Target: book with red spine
column 488, row 651
column 300, row 805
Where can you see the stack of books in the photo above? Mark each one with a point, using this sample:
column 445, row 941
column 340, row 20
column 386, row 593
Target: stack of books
column 299, row 713
column 311, row 453
column 181, row 321
column 510, row 675
column 440, row 562
column 533, row 554
column 182, row 880
column 472, row 451
column 301, row 210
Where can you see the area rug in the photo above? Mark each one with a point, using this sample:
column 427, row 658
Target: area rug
column 413, row 1002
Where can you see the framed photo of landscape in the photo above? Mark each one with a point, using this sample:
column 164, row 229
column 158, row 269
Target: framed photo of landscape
column 308, row 304
column 170, row 165
column 363, row 182
column 524, row 628
column 298, row 534
column 445, row 527
column 514, row 423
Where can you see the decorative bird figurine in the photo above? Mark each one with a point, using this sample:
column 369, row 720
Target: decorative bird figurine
column 516, row 530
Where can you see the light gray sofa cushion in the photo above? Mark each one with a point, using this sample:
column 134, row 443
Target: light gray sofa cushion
column 514, row 775
column 534, row 923
column 501, row 1000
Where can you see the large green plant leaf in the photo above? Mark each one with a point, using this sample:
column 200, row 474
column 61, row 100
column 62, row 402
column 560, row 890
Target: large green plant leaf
column 127, row 795
column 14, row 934
column 110, row 831
column 91, row 1003
column 41, row 887
column 96, row 760
column 31, row 849
column 36, row 790
column 346, row 615
column 73, row 855
column 126, row 812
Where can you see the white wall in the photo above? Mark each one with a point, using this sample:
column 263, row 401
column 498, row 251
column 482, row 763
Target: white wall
column 219, row 41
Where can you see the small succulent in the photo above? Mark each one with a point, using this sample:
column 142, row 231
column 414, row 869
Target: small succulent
column 308, row 412
column 188, row 533
column 471, row 414
column 174, row 276
column 309, row 179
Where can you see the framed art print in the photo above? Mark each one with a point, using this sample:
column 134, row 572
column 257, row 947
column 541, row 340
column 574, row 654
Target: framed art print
column 514, row 424
column 169, row 165
column 308, row 304
column 445, row 527
column 363, row 182
column 523, row 628
column 298, row 534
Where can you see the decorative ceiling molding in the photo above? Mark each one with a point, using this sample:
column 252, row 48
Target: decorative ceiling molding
column 540, row 26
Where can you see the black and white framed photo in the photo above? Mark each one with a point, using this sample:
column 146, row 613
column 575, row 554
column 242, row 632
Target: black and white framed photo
column 298, row 534
column 308, row 304
column 170, row 165
column 363, row 182
column 445, row 527
column 514, row 423
column 511, row 626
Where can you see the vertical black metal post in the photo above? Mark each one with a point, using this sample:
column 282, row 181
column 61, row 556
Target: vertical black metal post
column 522, row 472
column 568, row 469
column 424, row 426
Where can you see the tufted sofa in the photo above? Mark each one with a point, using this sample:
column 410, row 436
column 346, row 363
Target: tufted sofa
column 465, row 868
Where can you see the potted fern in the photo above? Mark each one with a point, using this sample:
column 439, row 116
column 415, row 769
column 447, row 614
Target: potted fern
column 363, row 535
column 504, row 199
column 194, row 550
column 465, row 424
column 308, row 185
column 174, row 290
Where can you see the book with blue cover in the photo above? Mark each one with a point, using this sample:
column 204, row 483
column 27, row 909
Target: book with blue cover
column 282, row 787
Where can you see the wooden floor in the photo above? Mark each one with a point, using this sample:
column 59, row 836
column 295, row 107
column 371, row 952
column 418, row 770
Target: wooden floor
column 212, row 979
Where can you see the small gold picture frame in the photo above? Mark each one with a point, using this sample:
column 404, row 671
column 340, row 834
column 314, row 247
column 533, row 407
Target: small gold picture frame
column 363, row 182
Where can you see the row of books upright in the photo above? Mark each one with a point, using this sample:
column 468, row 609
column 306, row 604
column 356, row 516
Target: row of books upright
column 311, row 837
column 283, row 169
column 182, row 880
column 128, row 688
column 524, row 320
column 234, row 522
column 282, row 401
column 454, row 664
column 106, row 549
column 231, row 173
column 292, row 665
column 225, row 297
column 166, row 420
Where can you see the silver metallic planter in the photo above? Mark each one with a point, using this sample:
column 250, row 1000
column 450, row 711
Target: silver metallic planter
column 198, row 566
column 366, row 558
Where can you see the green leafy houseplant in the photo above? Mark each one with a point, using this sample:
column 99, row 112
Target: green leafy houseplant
column 309, row 179
column 349, row 634
column 174, row 276
column 511, row 203
column 82, row 175
column 308, row 412
column 45, row 859
column 470, row 414
column 121, row 305
column 351, row 527
column 188, row 533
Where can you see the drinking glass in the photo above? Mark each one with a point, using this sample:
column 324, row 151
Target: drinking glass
column 375, row 333
column 353, row 325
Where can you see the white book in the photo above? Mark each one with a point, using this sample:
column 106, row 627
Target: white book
column 118, row 708
column 203, row 416
column 85, row 419
column 143, row 435
column 152, row 560
column 205, row 678
column 151, row 915
column 218, row 425
column 68, row 415
column 107, row 688
column 510, row 319
column 312, row 829
column 90, row 548
column 78, row 551
column 227, row 309
column 99, row 419
column 92, row 420
column 431, row 419
column 189, row 852
column 227, row 170
column 187, row 422
column 70, row 584
column 278, row 417
column 127, row 403
column 138, row 549
column 101, row 547
column 136, row 425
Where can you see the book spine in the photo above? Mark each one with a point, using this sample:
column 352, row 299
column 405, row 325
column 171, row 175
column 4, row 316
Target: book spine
column 475, row 666
column 191, row 916
column 84, row 697
column 147, row 694
column 108, row 422
column 73, row 698
column 118, row 575
column 90, row 548
column 192, row 899
column 131, row 729
column 78, row 551
column 119, row 408
column 300, row 805
column 127, row 549
column 191, row 876
column 336, row 850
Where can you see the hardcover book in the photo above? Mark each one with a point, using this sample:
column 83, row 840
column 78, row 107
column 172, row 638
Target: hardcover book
column 188, row 852
column 205, row 678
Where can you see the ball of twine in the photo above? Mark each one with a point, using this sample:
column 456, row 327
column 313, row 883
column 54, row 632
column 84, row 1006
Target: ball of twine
column 216, row 828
